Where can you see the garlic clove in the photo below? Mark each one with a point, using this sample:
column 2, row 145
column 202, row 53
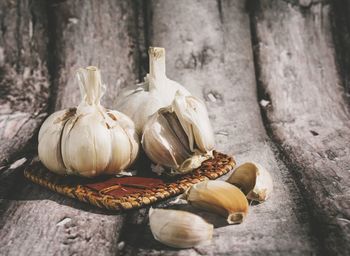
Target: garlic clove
column 49, row 138
column 254, row 180
column 179, row 136
column 86, row 145
column 119, row 148
column 179, row 229
column 193, row 117
column 219, row 197
column 161, row 144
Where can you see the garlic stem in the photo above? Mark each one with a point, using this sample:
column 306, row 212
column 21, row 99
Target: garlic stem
column 156, row 64
column 157, row 91
column 89, row 80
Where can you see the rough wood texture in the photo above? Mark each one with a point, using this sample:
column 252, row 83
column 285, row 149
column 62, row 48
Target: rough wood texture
column 33, row 220
column 340, row 20
column 91, row 33
column 307, row 116
column 38, row 222
column 23, row 74
column 301, row 62
column 216, row 64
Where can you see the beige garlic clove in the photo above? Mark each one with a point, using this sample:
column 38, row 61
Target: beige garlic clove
column 49, row 137
column 179, row 137
column 254, row 180
column 179, row 229
column 219, row 197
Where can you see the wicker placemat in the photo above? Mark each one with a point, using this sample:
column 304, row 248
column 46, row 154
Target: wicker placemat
column 127, row 192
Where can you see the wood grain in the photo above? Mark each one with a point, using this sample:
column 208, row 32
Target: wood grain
column 24, row 79
column 340, row 20
column 308, row 117
column 301, row 60
column 208, row 50
column 91, row 33
column 33, row 220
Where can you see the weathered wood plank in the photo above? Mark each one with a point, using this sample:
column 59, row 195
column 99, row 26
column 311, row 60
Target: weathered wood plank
column 341, row 33
column 209, row 51
column 38, row 222
column 308, row 117
column 35, row 221
column 24, row 79
column 91, row 33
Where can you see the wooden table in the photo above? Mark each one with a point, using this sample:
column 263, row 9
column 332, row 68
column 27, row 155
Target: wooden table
column 275, row 78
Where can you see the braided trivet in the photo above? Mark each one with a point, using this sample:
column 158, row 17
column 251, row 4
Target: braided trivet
column 127, row 192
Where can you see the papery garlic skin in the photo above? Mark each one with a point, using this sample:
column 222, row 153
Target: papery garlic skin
column 254, row 180
column 179, row 137
column 193, row 116
column 219, row 197
column 179, row 229
column 50, row 133
column 155, row 92
column 126, row 127
column 90, row 140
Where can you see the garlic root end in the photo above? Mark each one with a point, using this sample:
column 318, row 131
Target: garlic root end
column 236, row 218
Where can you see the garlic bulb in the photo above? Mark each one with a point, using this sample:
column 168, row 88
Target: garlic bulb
column 88, row 140
column 179, row 229
column 155, row 92
column 254, row 180
column 179, row 137
column 219, row 197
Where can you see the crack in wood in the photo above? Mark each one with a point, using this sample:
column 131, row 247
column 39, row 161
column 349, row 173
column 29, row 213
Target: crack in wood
column 321, row 219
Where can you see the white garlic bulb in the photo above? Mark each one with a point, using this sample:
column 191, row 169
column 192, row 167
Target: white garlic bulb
column 155, row 92
column 179, row 137
column 88, row 140
column 179, row 229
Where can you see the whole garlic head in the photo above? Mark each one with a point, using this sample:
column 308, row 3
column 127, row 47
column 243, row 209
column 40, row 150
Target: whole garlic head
column 179, row 137
column 88, row 140
column 155, row 92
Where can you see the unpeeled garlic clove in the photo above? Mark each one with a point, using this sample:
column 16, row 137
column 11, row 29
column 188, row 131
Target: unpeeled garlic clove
column 179, row 137
column 219, row 197
column 254, row 180
column 179, row 229
column 50, row 134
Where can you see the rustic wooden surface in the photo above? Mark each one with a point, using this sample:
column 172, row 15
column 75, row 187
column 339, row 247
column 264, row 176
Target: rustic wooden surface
column 71, row 227
column 308, row 117
column 24, row 80
column 292, row 55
